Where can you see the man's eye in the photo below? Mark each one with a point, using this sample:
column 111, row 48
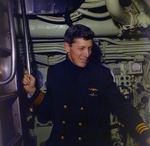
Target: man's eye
column 90, row 49
column 81, row 48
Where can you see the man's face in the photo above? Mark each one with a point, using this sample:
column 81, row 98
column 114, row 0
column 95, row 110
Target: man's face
column 79, row 51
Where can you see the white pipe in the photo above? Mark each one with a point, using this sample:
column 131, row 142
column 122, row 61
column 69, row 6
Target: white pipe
column 94, row 15
column 143, row 20
column 118, row 57
column 142, row 48
column 58, row 19
column 124, row 51
column 41, row 29
column 123, row 42
column 86, row 1
column 93, row 4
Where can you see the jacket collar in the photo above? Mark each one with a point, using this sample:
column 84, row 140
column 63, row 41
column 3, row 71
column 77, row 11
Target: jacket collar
column 83, row 80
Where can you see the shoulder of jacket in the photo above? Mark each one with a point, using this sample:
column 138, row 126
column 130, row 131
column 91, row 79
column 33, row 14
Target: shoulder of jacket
column 105, row 66
column 110, row 70
column 58, row 65
column 101, row 66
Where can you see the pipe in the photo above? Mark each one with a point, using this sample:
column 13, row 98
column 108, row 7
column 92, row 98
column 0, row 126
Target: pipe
column 124, row 51
column 123, row 43
column 85, row 12
column 126, row 18
column 94, row 15
column 57, row 19
column 117, row 12
column 26, row 35
column 13, row 45
column 50, row 61
column 117, row 57
column 93, row 4
column 86, row 1
column 41, row 29
column 143, row 20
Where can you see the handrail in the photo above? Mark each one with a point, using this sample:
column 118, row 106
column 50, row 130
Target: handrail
column 26, row 35
column 13, row 45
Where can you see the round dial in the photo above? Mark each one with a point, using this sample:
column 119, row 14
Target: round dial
column 136, row 66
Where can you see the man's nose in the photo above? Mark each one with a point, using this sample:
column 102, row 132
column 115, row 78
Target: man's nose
column 87, row 53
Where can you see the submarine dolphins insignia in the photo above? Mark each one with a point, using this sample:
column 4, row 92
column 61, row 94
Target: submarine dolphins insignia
column 93, row 89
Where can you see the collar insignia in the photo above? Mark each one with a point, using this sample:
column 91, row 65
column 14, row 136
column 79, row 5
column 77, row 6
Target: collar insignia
column 92, row 94
column 93, row 89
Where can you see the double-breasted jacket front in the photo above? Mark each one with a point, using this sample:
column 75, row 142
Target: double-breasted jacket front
column 81, row 113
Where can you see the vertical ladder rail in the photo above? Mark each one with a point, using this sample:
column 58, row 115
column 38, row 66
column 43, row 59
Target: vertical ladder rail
column 13, row 44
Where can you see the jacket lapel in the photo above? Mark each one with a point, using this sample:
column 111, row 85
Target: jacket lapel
column 66, row 79
column 83, row 80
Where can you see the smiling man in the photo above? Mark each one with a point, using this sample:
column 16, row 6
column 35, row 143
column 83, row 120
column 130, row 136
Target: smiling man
column 80, row 95
column 79, row 51
column 78, row 44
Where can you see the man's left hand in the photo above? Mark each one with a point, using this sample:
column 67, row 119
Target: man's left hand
column 148, row 140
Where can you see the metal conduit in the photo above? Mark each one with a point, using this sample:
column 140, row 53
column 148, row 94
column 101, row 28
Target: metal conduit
column 13, row 41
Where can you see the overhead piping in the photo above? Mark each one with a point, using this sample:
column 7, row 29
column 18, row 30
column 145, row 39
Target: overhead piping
column 126, row 18
column 117, row 12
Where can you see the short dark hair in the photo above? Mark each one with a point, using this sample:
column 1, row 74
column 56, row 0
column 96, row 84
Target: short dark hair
column 78, row 31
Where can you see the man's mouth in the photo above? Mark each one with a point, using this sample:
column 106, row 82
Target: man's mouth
column 84, row 60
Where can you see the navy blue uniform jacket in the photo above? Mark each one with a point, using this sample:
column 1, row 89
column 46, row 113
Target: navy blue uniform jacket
column 81, row 114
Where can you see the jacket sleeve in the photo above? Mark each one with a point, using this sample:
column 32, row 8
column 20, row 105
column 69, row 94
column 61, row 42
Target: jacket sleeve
column 44, row 102
column 126, row 112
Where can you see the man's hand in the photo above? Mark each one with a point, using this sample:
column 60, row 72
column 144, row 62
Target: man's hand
column 148, row 140
column 29, row 83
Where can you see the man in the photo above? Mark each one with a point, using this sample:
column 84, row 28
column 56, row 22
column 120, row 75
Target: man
column 80, row 96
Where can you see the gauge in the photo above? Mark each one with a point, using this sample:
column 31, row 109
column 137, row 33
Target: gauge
column 136, row 67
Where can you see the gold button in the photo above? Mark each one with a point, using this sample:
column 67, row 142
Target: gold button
column 80, row 124
column 62, row 137
column 65, row 106
column 82, row 108
column 63, row 122
column 31, row 109
column 79, row 138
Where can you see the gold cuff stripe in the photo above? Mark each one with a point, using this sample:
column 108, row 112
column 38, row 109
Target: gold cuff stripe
column 139, row 126
column 143, row 130
column 39, row 98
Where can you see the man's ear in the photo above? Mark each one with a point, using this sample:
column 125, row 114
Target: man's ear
column 67, row 47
